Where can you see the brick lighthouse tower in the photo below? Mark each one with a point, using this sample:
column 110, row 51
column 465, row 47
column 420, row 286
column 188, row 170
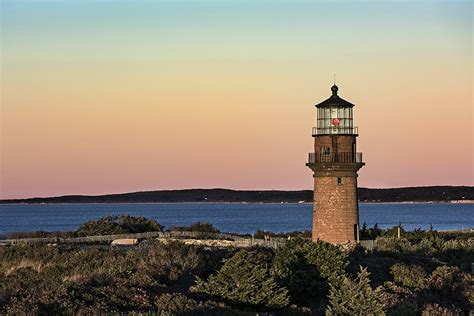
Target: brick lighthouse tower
column 335, row 163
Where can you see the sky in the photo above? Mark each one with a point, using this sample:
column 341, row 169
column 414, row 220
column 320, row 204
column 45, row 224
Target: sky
column 117, row 96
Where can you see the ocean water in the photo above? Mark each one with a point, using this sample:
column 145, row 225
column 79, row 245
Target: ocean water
column 231, row 217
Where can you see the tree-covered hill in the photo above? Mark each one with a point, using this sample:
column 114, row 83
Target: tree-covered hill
column 416, row 194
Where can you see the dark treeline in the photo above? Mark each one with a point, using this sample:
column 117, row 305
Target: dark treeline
column 416, row 194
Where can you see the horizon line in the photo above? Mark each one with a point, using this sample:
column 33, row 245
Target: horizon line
column 218, row 188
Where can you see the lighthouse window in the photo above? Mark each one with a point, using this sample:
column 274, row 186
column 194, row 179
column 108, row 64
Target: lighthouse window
column 339, row 180
column 326, row 151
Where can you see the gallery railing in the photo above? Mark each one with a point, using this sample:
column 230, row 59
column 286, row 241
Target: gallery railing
column 338, row 130
column 344, row 157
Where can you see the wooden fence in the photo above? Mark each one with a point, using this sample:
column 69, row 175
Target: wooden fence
column 237, row 241
column 368, row 244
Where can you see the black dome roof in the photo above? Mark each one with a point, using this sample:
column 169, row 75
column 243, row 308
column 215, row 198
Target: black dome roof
column 335, row 101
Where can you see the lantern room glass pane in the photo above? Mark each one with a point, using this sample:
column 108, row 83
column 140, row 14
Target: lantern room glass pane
column 326, row 118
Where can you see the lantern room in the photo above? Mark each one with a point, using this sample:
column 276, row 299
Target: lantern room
column 335, row 116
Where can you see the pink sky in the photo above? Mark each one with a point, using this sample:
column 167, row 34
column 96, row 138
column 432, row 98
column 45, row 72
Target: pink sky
column 98, row 99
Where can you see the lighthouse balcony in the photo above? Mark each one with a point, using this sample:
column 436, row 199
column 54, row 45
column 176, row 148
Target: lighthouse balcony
column 335, row 130
column 341, row 157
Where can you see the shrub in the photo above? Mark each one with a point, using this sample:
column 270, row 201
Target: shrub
column 330, row 261
column 201, row 227
column 200, row 230
column 446, row 290
column 395, row 245
column 307, row 269
column 28, row 291
column 450, row 287
column 377, row 263
column 90, row 279
column 412, row 276
column 262, row 255
column 244, row 280
column 174, row 264
column 261, row 234
column 174, row 302
column 106, row 293
column 180, row 304
column 398, row 300
column 292, row 270
column 445, row 276
column 431, row 245
column 459, row 252
column 370, row 233
column 23, row 255
column 436, row 309
column 354, row 297
column 405, row 309
column 124, row 224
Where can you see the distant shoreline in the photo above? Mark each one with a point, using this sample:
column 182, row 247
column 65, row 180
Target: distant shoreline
column 223, row 202
column 433, row 194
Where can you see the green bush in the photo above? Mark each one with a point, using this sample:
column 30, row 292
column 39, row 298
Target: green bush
column 57, row 280
column 431, row 245
column 302, row 279
column 200, row 230
column 123, row 224
column 261, row 234
column 306, row 269
column 458, row 252
column 436, row 309
column 201, row 227
column 415, row 235
column 243, row 280
column 105, row 293
column 175, row 302
column 453, row 252
column 354, row 297
column 405, row 309
column 370, row 233
column 27, row 290
column 330, row 261
column 180, row 304
column 156, row 277
column 174, row 264
column 450, row 287
column 27, row 256
column 395, row 245
column 411, row 276
column 445, row 276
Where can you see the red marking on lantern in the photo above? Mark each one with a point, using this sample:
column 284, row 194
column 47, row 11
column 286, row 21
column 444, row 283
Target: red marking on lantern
column 336, row 121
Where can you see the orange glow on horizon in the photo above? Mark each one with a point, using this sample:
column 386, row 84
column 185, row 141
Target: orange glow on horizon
column 229, row 105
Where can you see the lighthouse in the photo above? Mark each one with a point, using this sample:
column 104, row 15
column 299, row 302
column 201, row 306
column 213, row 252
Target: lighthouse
column 335, row 163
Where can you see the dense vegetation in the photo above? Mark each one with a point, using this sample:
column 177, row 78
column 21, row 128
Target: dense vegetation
column 423, row 272
column 109, row 225
column 418, row 194
column 197, row 227
column 124, row 224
